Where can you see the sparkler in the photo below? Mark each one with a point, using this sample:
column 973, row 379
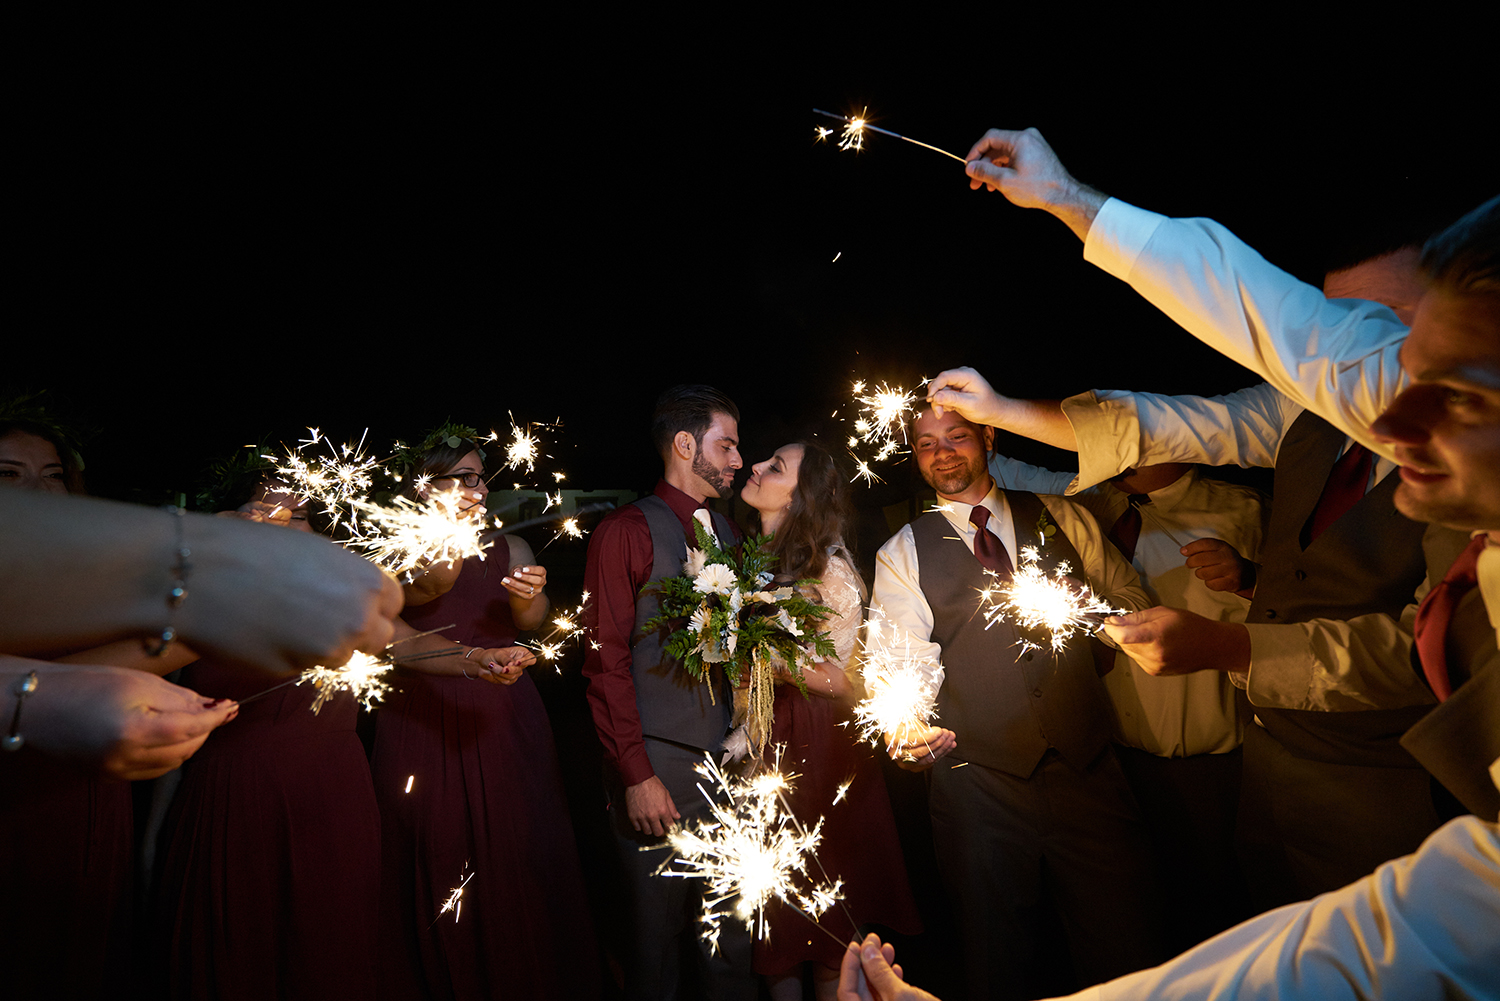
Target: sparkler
column 334, row 480
column 853, row 136
column 361, row 677
column 752, row 851
column 901, row 699
column 881, row 423
column 410, row 534
column 455, row 901
column 1037, row 601
column 566, row 626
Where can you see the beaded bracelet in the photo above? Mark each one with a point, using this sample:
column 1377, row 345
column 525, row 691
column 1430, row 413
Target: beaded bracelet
column 177, row 593
column 23, row 687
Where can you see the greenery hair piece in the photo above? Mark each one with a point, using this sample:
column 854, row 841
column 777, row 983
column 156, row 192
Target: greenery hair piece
column 229, row 482
column 405, row 457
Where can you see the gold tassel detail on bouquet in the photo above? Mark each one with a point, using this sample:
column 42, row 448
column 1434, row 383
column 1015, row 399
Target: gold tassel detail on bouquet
column 755, row 704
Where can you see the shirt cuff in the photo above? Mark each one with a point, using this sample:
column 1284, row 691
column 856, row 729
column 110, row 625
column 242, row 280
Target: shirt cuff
column 1118, row 235
column 635, row 766
column 1109, row 437
column 1280, row 673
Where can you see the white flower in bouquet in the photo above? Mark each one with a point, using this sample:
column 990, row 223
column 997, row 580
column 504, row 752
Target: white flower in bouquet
column 699, row 620
column 785, row 621
column 715, row 579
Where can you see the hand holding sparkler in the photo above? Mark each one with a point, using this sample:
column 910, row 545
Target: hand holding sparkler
column 970, row 395
column 919, row 750
column 1170, row 641
column 870, row 973
column 1022, row 167
column 503, row 665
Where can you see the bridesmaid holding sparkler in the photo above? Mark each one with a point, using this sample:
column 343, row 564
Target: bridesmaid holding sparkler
column 482, row 894
column 802, row 498
column 268, row 860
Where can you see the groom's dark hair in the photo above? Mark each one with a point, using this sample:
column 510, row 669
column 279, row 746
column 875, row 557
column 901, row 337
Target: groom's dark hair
column 689, row 408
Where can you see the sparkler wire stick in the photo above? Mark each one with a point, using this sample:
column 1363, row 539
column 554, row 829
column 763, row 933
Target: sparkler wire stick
column 293, row 681
column 860, row 124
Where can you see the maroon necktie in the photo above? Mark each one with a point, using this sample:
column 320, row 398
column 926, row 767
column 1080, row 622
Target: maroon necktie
column 1346, row 485
column 987, row 548
column 1436, row 611
column 1127, row 530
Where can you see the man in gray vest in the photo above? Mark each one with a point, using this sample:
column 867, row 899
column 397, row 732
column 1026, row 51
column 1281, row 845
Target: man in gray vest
column 654, row 720
column 1328, row 792
column 1029, row 806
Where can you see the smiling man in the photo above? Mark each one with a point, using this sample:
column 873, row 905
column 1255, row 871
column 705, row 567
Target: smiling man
column 1029, row 805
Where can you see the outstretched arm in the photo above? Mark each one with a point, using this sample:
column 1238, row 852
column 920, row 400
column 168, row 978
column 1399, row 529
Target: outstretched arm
column 1336, row 357
column 81, row 572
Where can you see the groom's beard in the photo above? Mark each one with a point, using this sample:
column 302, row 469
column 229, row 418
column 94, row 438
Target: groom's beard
column 722, row 480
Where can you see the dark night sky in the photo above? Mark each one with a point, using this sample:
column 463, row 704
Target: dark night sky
column 225, row 239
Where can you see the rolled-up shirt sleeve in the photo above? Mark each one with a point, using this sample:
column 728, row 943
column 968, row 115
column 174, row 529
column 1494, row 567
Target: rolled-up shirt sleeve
column 1119, row 430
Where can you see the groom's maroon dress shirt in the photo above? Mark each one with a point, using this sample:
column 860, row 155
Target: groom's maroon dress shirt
column 619, row 565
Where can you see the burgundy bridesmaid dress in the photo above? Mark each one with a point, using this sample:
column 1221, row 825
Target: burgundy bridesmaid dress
column 485, row 804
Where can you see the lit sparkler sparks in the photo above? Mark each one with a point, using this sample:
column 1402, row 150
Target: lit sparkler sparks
column 455, row 901
column 1039, row 602
column 411, row 534
column 881, row 424
column 522, row 450
column 361, row 676
column 335, row 479
column 566, row 627
column 900, row 697
column 853, row 136
column 753, row 850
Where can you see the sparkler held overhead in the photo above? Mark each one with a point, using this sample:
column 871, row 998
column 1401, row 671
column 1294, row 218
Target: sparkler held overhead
column 853, row 136
column 882, row 416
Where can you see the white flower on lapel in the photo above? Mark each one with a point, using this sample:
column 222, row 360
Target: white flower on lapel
column 706, row 519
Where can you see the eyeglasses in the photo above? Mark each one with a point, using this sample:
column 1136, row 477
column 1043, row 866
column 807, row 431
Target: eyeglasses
column 469, row 480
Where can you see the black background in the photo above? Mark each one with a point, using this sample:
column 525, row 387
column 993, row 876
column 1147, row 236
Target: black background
column 229, row 230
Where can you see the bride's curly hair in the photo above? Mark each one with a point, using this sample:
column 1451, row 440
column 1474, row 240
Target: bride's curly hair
column 821, row 515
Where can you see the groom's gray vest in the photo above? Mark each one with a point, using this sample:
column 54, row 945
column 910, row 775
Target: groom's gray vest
column 673, row 705
column 1007, row 707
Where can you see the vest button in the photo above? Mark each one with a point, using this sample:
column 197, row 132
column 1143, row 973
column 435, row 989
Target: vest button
column 1037, row 692
column 1270, row 613
column 1301, row 575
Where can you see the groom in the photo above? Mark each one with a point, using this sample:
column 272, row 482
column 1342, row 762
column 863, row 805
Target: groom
column 656, row 723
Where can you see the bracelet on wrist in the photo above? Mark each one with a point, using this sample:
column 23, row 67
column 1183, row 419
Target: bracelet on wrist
column 178, row 591
column 24, row 686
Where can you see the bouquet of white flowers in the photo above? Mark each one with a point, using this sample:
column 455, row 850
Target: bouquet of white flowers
column 734, row 618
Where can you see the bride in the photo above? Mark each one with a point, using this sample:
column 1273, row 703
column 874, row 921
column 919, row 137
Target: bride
column 803, row 501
